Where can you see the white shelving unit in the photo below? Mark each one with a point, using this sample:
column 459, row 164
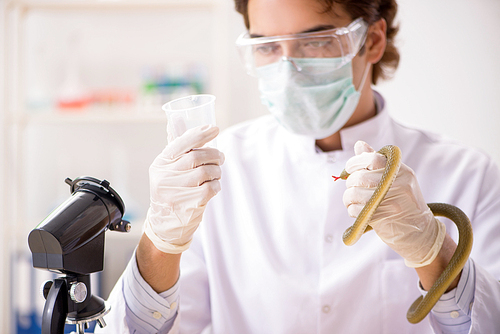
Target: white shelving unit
column 18, row 118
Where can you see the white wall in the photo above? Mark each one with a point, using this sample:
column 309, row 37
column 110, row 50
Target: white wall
column 4, row 255
column 245, row 102
column 449, row 76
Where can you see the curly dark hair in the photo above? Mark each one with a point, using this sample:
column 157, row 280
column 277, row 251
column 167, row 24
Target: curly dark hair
column 371, row 11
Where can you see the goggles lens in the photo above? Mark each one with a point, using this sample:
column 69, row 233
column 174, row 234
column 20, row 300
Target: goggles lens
column 343, row 43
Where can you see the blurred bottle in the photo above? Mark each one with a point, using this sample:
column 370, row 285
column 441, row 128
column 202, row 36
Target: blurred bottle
column 38, row 96
column 72, row 93
column 163, row 84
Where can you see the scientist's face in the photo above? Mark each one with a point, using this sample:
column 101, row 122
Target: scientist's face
column 284, row 17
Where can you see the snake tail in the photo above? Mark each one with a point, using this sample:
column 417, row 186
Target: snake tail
column 423, row 305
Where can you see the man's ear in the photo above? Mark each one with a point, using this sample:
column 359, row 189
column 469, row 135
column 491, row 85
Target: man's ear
column 376, row 41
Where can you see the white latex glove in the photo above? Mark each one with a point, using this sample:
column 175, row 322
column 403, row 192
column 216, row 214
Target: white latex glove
column 403, row 220
column 183, row 178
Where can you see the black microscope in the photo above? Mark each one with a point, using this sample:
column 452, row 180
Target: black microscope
column 70, row 241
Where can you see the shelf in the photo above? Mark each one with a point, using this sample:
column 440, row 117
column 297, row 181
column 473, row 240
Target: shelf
column 91, row 115
column 24, row 125
column 111, row 4
column 113, row 115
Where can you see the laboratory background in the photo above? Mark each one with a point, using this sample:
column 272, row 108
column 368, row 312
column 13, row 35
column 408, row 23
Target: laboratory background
column 83, row 82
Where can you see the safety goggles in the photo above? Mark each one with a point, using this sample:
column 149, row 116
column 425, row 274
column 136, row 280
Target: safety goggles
column 342, row 43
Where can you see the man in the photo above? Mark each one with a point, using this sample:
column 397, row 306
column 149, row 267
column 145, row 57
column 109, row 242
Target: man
column 268, row 255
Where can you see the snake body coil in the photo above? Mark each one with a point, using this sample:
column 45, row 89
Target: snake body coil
column 423, row 305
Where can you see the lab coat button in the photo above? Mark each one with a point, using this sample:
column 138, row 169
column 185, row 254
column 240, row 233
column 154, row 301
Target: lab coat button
column 331, row 159
column 173, row 306
column 156, row 315
column 454, row 314
column 329, row 238
column 326, row 309
column 470, row 305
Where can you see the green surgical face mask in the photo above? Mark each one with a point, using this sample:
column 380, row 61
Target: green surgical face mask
column 316, row 102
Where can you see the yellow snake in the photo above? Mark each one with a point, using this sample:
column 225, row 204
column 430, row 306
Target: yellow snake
column 423, row 305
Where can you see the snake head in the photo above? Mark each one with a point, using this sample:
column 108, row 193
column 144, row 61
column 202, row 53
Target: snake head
column 343, row 176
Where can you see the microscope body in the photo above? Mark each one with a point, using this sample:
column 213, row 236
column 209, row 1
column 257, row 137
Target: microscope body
column 70, row 241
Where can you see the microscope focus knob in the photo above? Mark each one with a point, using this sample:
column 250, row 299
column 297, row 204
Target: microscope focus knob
column 78, row 292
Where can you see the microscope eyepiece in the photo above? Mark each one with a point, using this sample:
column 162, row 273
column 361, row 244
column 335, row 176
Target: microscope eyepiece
column 70, row 240
column 71, row 237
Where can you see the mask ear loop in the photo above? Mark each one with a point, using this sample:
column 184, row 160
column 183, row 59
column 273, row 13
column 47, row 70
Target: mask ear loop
column 363, row 79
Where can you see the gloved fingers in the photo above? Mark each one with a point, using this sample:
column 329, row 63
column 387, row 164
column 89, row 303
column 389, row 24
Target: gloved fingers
column 181, row 201
column 207, row 173
column 209, row 189
column 365, row 160
column 191, row 139
column 354, row 210
column 355, row 198
column 186, row 178
column 371, row 178
column 365, row 178
column 184, row 200
column 199, row 157
column 361, row 146
column 183, row 178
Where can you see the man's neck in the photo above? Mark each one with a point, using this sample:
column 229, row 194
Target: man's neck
column 365, row 110
column 331, row 143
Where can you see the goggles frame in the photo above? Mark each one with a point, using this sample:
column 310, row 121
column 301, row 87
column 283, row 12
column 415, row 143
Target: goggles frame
column 355, row 33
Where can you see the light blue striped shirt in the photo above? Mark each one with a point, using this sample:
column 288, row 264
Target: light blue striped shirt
column 147, row 311
column 452, row 313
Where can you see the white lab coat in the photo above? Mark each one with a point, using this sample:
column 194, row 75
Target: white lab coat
column 269, row 257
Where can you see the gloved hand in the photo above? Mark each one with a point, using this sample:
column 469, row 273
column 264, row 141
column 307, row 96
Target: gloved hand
column 403, row 220
column 183, row 178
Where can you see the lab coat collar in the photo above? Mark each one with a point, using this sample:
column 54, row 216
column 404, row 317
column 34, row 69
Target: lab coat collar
column 373, row 131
